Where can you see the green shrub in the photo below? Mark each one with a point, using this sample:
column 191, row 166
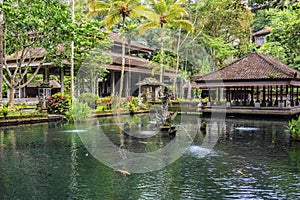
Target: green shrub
column 89, row 98
column 205, row 100
column 103, row 102
column 5, row 109
column 294, row 127
column 59, row 103
column 132, row 104
column 79, row 112
column 100, row 108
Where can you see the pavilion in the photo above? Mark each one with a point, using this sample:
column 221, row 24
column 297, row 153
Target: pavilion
column 254, row 84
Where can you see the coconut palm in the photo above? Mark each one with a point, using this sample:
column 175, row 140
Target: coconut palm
column 165, row 12
column 116, row 12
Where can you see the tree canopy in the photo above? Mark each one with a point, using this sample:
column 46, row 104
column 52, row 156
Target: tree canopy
column 283, row 41
column 40, row 31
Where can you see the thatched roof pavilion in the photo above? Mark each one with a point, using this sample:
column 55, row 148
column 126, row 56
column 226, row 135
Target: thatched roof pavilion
column 255, row 79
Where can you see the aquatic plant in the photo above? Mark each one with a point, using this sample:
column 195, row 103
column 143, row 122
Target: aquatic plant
column 294, row 127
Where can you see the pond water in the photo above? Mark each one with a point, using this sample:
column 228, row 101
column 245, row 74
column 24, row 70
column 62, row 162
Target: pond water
column 235, row 159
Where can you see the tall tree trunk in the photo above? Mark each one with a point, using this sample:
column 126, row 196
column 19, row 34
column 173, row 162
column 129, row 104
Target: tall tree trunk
column 1, row 51
column 161, row 78
column 11, row 97
column 128, row 81
column 123, row 60
column 177, row 63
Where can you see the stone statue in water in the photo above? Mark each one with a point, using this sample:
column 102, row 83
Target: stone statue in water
column 164, row 117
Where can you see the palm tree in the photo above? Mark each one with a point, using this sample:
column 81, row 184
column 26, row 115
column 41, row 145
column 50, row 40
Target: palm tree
column 114, row 12
column 165, row 12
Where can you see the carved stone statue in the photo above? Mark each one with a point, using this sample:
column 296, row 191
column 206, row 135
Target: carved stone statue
column 164, row 117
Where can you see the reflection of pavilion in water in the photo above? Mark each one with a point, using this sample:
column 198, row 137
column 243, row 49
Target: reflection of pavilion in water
column 257, row 132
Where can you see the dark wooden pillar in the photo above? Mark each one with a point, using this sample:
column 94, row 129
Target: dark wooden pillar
column 257, row 94
column 281, row 91
column 292, row 95
column 263, row 104
column 219, row 94
column 227, row 94
column 252, row 96
column 244, row 97
column 46, row 76
column 276, row 96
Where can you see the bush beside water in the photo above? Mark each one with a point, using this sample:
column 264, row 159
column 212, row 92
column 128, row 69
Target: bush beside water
column 294, row 127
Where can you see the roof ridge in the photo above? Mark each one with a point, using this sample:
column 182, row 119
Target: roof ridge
column 262, row 56
column 237, row 60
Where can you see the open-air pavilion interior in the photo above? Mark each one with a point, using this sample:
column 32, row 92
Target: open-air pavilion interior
column 254, row 84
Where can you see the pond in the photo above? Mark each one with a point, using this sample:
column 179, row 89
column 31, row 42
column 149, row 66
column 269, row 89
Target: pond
column 235, row 159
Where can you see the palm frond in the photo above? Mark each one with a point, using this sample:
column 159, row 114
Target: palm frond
column 137, row 11
column 179, row 2
column 142, row 28
column 184, row 24
column 151, row 16
column 177, row 12
column 97, row 8
column 112, row 20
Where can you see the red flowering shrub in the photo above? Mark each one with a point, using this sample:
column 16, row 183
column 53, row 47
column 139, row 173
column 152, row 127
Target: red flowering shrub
column 59, row 103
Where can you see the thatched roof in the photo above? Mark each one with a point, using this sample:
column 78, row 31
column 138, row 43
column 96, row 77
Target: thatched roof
column 255, row 69
column 254, row 66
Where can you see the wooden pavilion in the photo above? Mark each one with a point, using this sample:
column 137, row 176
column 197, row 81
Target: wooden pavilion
column 254, row 84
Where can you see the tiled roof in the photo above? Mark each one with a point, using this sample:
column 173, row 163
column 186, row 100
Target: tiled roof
column 133, row 45
column 134, row 61
column 53, row 84
column 254, row 66
column 37, row 52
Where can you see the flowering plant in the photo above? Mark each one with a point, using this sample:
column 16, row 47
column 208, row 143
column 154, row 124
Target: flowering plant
column 59, row 103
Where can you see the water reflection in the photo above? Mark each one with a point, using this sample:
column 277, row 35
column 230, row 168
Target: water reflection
column 47, row 162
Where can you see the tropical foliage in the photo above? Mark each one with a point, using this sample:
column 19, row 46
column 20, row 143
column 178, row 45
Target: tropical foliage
column 116, row 12
column 59, row 103
column 283, row 42
column 78, row 112
column 38, row 32
column 165, row 13
column 294, row 126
